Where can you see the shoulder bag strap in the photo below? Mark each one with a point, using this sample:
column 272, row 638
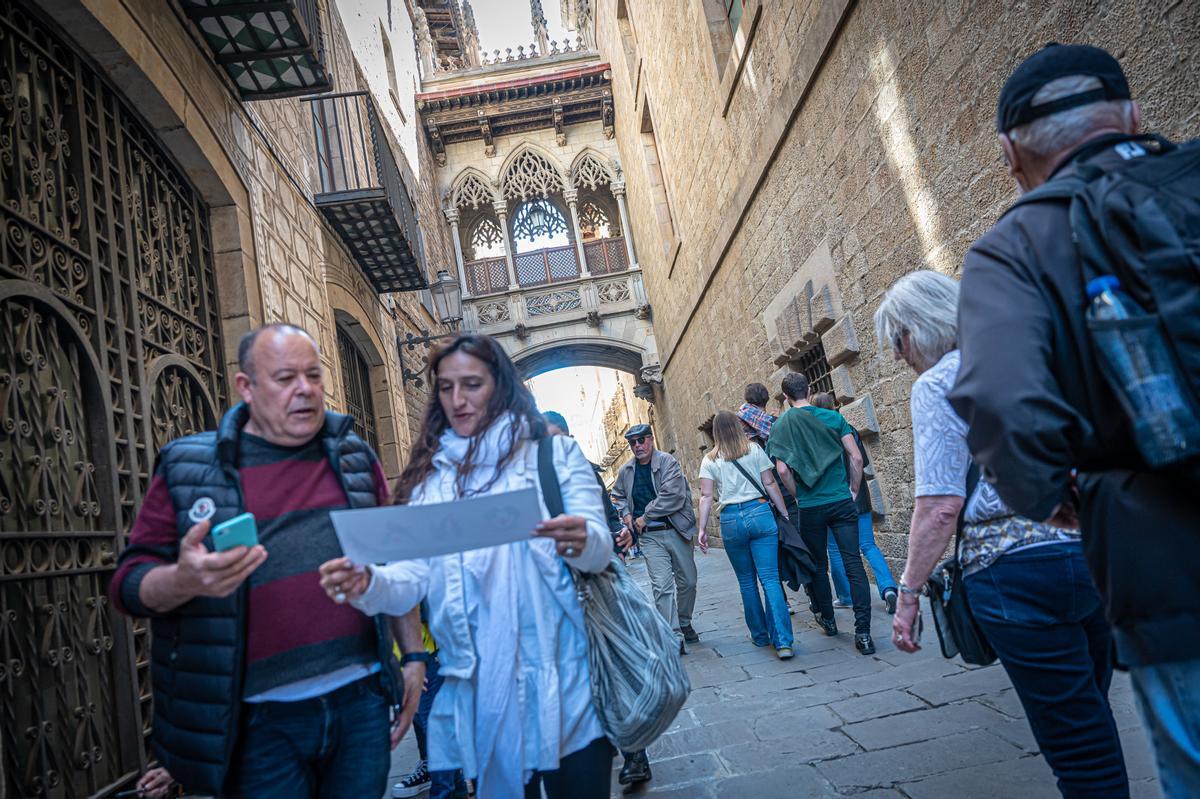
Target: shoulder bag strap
column 753, row 482
column 972, row 484
column 548, row 476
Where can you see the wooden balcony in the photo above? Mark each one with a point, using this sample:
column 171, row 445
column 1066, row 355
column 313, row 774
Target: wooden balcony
column 362, row 194
column 543, row 267
column 269, row 48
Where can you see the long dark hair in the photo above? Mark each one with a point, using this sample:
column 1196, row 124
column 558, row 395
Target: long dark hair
column 509, row 396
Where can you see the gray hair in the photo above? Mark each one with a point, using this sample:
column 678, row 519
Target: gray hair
column 923, row 304
column 1067, row 129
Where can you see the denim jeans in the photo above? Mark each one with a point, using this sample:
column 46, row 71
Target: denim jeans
column 442, row 784
column 866, row 545
column 332, row 746
column 841, row 520
column 1169, row 697
column 752, row 544
column 1045, row 619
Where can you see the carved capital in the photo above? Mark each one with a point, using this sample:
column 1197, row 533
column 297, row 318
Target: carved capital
column 501, row 208
column 451, row 215
column 618, row 188
column 652, row 373
column 571, row 195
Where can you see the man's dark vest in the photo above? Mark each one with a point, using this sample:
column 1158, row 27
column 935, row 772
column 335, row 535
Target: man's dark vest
column 197, row 653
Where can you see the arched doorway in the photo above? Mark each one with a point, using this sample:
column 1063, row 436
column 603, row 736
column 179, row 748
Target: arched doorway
column 109, row 345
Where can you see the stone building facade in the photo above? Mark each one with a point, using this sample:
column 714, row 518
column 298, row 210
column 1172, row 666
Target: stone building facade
column 161, row 196
column 786, row 162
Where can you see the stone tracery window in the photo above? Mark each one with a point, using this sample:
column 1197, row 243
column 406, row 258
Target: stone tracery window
column 486, row 238
column 593, row 222
column 472, row 191
column 539, row 221
column 531, row 175
column 591, row 172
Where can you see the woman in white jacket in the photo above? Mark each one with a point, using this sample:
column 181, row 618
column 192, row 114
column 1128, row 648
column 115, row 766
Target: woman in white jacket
column 516, row 705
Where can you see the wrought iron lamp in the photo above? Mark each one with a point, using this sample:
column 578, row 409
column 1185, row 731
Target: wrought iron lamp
column 447, row 302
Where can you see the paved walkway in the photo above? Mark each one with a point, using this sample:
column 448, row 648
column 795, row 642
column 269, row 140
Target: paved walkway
column 831, row 722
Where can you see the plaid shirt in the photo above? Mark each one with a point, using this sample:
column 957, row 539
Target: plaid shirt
column 757, row 421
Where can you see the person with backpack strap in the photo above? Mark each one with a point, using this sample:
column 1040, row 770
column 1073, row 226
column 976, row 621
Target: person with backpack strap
column 1058, row 397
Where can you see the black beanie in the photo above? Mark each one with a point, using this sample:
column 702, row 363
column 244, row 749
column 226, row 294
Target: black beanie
column 1015, row 106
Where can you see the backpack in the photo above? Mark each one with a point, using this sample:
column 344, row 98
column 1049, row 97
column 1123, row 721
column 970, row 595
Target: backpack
column 1140, row 221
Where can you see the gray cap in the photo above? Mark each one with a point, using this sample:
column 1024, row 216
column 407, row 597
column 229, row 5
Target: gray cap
column 638, row 430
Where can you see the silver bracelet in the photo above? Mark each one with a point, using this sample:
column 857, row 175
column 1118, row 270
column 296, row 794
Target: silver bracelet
column 904, row 589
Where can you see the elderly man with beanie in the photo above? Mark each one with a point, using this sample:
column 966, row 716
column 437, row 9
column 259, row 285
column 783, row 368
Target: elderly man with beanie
column 1044, row 423
column 654, row 498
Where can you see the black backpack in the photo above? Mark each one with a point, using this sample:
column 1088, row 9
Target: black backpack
column 1140, row 221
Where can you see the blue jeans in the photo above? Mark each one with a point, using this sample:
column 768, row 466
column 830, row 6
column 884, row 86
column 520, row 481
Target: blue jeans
column 1045, row 619
column 1169, row 697
column 875, row 559
column 752, row 544
column 332, row 746
column 442, row 784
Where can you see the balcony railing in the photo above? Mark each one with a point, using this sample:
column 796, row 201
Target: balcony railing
column 269, row 48
column 362, row 194
column 606, row 256
column 592, row 298
column 542, row 267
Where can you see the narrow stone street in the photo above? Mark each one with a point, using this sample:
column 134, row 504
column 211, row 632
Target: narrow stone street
column 831, row 722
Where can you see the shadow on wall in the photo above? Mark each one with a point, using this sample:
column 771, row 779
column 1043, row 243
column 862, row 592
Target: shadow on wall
column 896, row 132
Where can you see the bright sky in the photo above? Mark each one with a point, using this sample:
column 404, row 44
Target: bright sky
column 507, row 23
column 575, row 393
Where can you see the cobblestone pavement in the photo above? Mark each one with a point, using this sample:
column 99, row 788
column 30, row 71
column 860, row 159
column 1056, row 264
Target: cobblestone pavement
column 831, row 722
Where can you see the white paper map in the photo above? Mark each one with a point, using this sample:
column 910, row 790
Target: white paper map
column 407, row 532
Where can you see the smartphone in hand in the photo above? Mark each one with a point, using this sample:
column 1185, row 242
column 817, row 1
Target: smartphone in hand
column 240, row 531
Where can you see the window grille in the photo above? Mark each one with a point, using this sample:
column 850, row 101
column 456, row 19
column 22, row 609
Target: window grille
column 356, row 383
column 816, row 368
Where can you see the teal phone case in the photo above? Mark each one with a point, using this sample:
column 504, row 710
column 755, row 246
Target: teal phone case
column 240, row 531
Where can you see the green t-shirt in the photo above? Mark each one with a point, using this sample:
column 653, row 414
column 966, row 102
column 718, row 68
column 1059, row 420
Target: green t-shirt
column 834, row 484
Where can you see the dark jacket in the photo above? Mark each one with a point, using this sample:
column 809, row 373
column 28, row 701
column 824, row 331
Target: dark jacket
column 1037, row 406
column 197, row 650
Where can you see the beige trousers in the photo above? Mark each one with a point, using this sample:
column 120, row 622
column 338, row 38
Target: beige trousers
column 671, row 564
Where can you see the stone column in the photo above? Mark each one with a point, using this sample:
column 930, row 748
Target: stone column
column 452, row 218
column 501, row 209
column 618, row 190
column 571, row 195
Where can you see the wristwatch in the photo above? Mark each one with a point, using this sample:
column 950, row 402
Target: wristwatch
column 416, row 657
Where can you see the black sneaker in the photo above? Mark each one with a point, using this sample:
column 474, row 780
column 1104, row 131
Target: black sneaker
column 829, row 625
column 889, row 600
column 414, row 784
column 636, row 769
column 689, row 634
column 864, row 644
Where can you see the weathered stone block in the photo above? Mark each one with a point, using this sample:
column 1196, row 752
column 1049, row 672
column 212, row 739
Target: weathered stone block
column 878, row 500
column 861, row 415
column 843, row 386
column 822, row 309
column 841, row 342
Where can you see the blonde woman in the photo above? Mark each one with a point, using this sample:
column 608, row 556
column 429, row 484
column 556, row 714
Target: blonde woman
column 741, row 473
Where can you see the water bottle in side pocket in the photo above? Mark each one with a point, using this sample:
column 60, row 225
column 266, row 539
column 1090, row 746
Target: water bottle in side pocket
column 1141, row 371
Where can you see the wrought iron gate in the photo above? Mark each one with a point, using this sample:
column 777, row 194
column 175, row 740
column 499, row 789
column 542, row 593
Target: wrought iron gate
column 109, row 347
column 356, row 382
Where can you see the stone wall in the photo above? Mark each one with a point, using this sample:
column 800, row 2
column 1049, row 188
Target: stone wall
column 831, row 148
column 255, row 165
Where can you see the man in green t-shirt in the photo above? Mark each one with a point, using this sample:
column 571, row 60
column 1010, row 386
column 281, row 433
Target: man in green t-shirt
column 808, row 443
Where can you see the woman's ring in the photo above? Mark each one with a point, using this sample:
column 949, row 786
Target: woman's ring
column 569, row 551
column 340, row 597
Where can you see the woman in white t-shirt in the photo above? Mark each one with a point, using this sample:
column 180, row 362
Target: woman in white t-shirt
column 747, row 528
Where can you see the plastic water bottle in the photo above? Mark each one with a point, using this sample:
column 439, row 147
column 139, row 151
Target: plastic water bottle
column 1142, row 372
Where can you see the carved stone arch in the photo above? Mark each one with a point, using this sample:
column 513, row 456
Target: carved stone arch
column 530, row 171
column 472, row 188
column 180, row 404
column 592, row 169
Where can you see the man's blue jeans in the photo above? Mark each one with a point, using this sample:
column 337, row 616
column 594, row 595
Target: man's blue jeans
column 752, row 544
column 1169, row 697
column 442, row 784
column 1045, row 619
column 866, row 544
column 332, row 746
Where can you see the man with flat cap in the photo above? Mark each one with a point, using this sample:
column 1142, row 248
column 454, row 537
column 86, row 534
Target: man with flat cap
column 1044, row 423
column 653, row 497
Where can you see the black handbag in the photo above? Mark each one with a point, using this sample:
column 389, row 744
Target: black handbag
column 958, row 632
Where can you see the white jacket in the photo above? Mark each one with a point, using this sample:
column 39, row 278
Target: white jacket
column 508, row 625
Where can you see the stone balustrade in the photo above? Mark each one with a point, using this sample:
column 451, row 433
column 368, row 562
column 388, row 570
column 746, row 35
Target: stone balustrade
column 589, row 298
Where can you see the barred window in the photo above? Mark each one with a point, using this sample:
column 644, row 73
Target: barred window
column 812, row 364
